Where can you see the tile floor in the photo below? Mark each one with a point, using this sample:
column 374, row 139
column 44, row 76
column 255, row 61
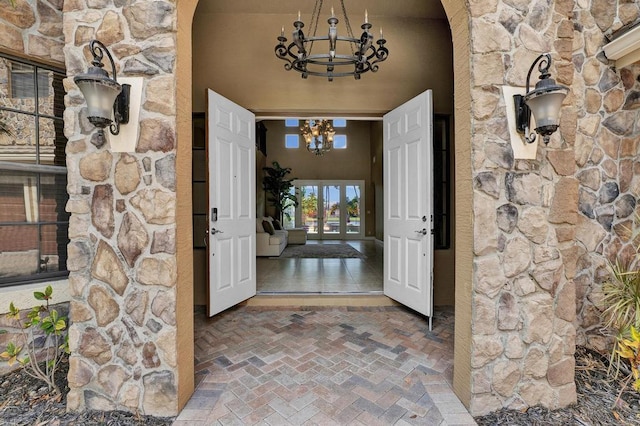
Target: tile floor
column 323, row 366
column 323, row 276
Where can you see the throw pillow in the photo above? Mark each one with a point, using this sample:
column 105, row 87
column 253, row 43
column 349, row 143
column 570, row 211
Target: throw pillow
column 268, row 227
column 276, row 225
column 259, row 227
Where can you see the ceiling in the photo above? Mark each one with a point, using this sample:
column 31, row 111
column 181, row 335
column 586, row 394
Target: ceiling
column 423, row 9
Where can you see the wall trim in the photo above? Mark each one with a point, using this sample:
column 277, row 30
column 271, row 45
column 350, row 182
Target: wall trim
column 624, row 49
column 22, row 295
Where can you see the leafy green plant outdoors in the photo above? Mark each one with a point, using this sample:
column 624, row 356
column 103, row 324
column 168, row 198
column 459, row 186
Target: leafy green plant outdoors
column 53, row 325
column 621, row 301
column 278, row 189
column 629, row 349
column 621, row 295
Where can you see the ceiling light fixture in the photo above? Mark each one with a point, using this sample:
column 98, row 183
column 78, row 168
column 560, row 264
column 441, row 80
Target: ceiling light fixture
column 544, row 102
column 104, row 95
column 348, row 56
column 318, row 135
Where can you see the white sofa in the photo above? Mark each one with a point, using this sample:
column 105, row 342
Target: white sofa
column 267, row 244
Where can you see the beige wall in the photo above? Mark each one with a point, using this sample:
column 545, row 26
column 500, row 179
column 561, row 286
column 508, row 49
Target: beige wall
column 250, row 74
column 352, row 163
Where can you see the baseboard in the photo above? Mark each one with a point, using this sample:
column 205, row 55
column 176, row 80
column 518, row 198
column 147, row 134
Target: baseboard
column 380, row 242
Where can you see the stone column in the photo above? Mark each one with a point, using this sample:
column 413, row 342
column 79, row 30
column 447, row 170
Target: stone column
column 523, row 297
column 122, row 254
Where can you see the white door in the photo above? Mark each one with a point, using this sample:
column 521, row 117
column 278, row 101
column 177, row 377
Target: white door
column 232, row 204
column 408, row 188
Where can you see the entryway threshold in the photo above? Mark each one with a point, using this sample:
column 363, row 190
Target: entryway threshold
column 306, row 299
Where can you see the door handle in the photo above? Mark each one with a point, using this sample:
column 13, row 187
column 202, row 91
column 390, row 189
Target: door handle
column 215, row 231
column 423, row 231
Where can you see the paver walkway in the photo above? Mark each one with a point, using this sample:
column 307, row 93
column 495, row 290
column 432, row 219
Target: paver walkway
column 323, row 366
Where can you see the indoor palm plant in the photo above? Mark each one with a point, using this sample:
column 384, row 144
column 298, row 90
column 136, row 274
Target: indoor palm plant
column 278, row 188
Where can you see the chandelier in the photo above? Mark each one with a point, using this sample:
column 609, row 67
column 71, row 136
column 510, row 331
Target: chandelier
column 347, row 56
column 318, row 135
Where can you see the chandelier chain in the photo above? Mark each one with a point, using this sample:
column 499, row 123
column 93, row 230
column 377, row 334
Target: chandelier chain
column 348, row 25
column 315, row 18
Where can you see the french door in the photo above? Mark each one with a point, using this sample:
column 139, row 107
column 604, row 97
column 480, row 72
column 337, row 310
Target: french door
column 330, row 209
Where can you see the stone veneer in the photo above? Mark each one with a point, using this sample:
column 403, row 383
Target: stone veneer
column 122, row 255
column 33, row 28
column 543, row 229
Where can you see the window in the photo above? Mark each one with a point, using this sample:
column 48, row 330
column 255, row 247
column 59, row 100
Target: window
column 33, row 175
column 22, row 84
column 340, row 141
column 291, row 122
column 291, row 141
column 339, row 122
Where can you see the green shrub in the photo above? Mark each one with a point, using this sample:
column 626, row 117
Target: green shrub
column 44, row 365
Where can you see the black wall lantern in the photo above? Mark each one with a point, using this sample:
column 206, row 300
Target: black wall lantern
column 544, row 102
column 104, row 95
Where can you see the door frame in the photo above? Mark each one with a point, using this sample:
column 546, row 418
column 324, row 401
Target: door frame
column 459, row 18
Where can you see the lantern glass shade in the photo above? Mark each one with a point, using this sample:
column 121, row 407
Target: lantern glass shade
column 100, row 95
column 545, row 107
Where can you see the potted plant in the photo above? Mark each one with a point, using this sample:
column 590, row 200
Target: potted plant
column 278, row 189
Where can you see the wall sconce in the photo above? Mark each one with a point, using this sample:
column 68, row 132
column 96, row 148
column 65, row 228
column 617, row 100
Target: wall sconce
column 104, row 95
column 544, row 102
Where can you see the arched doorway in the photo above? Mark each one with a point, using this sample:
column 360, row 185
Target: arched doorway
column 458, row 20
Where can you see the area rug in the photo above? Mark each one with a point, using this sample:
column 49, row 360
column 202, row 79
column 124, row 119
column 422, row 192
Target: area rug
column 322, row 251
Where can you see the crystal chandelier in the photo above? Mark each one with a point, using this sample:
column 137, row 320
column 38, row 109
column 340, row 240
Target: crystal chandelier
column 318, row 135
column 348, row 56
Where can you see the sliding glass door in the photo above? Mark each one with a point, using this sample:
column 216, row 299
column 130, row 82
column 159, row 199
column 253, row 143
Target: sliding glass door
column 330, row 209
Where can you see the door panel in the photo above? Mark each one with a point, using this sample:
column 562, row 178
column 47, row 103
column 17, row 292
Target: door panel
column 408, row 206
column 231, row 173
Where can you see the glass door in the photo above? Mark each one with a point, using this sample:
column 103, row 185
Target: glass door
column 330, row 209
column 352, row 201
column 331, row 217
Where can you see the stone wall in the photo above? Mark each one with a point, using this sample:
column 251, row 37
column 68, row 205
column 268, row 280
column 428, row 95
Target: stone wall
column 545, row 228
column 33, row 28
column 122, row 255
column 607, row 112
column 523, row 337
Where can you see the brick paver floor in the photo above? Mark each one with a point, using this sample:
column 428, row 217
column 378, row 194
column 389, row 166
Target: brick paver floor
column 323, row 366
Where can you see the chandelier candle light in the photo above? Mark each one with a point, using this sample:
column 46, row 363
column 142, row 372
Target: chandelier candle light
column 318, row 135
column 356, row 56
